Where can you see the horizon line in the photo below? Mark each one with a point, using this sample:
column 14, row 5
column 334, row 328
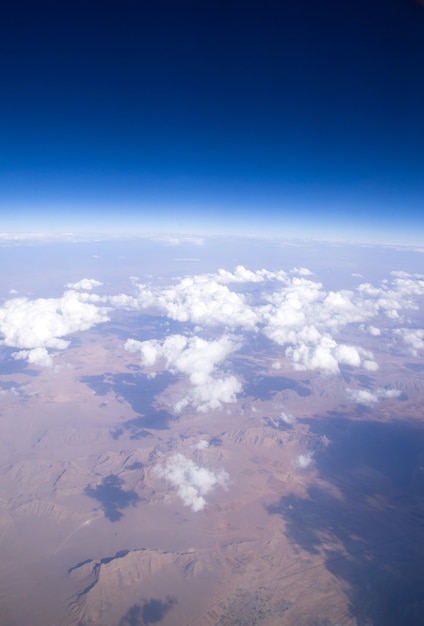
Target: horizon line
column 196, row 238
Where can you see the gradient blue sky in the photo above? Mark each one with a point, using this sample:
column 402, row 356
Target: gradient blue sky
column 299, row 118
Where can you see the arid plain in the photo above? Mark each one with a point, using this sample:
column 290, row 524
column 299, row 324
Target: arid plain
column 298, row 501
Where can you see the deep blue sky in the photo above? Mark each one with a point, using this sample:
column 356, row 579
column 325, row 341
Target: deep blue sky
column 296, row 117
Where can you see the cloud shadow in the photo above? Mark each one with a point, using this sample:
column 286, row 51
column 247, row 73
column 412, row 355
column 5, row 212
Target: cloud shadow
column 112, row 497
column 265, row 387
column 9, row 365
column 367, row 524
column 150, row 612
column 139, row 392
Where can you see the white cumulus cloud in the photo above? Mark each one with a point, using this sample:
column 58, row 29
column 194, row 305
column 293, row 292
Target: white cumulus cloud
column 288, row 307
column 36, row 356
column 305, row 319
column 364, row 396
column 243, row 275
column 200, row 300
column 85, row 283
column 413, row 338
column 35, row 326
column 192, row 481
column 196, row 358
column 301, row 316
column 302, row 461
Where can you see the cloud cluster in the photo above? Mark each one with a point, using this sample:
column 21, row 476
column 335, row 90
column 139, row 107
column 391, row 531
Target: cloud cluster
column 365, row 396
column 200, row 300
column 35, row 326
column 196, row 358
column 413, row 338
column 304, row 318
column 243, row 275
column 192, row 482
column 299, row 314
column 289, row 308
column 393, row 297
column 38, row 326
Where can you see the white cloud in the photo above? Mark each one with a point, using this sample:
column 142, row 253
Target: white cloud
column 393, row 297
column 200, row 300
column 284, row 418
column 197, row 359
column 307, row 320
column 211, row 394
column 85, row 283
column 302, row 271
column 121, row 301
column 23, row 236
column 243, row 275
column 301, row 316
column 192, row 481
column 389, row 393
column 206, row 300
column 34, row 326
column 177, row 241
column 302, row 461
column 364, row 396
column 36, row 356
column 287, row 418
column 413, row 338
column 201, row 445
column 327, row 355
column 409, row 282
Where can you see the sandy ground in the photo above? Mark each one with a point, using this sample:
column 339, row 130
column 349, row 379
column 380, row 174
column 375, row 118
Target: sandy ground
column 91, row 534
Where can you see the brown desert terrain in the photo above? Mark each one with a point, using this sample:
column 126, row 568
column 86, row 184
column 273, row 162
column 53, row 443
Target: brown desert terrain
column 319, row 521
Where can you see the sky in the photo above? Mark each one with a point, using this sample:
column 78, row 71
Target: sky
column 298, row 118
